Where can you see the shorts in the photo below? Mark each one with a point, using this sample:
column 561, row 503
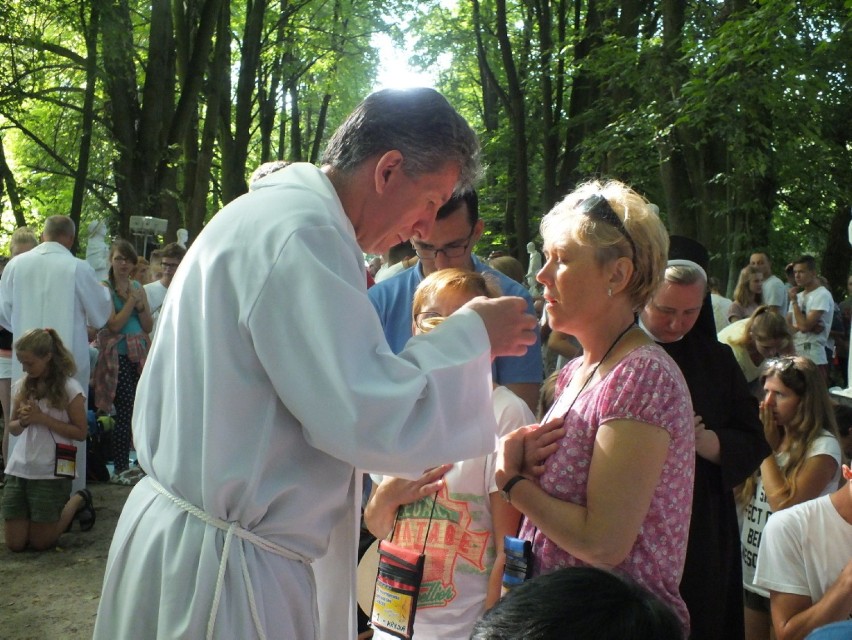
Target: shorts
column 755, row 601
column 39, row 501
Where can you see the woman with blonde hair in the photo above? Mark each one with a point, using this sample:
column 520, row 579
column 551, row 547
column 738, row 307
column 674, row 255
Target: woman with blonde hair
column 765, row 334
column 622, row 416
column 49, row 415
column 799, row 424
column 748, row 294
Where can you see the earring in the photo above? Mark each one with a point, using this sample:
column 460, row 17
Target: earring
column 609, row 292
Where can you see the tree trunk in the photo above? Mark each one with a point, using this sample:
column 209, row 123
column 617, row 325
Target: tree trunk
column 584, row 90
column 7, row 180
column 88, row 116
column 518, row 215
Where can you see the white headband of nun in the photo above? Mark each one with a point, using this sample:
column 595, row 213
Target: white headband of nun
column 688, row 263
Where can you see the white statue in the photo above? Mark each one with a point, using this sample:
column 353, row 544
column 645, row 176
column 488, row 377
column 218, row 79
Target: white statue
column 97, row 251
column 535, row 267
column 182, row 237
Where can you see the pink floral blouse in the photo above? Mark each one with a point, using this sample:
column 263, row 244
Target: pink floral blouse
column 646, row 386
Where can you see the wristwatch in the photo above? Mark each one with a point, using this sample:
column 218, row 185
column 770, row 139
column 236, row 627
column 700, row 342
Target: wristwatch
column 507, row 488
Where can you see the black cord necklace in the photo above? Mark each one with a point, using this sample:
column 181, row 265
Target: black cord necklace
column 595, row 370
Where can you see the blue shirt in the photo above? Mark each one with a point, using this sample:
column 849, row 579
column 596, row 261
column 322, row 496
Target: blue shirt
column 392, row 299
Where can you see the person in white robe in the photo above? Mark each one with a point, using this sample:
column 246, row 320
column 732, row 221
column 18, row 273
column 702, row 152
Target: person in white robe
column 49, row 287
column 270, row 381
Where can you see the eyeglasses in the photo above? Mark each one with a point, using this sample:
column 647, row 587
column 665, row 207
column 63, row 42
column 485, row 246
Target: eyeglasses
column 428, row 320
column 598, row 208
column 450, row 251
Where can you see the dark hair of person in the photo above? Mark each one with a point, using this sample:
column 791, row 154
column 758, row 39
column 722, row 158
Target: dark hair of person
column 267, row 168
column 579, row 603
column 172, row 250
column 419, row 123
column 124, row 249
column 470, row 198
column 401, row 251
column 509, row 266
column 806, row 260
column 843, row 415
column 713, row 284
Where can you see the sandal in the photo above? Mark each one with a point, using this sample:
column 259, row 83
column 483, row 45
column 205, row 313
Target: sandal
column 121, row 479
column 86, row 514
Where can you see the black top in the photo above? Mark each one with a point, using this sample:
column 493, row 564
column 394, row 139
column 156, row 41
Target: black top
column 5, row 339
column 712, row 579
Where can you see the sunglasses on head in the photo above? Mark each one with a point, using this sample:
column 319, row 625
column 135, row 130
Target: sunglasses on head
column 598, row 208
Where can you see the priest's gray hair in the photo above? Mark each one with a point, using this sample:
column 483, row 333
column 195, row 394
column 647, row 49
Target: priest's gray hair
column 56, row 227
column 419, row 123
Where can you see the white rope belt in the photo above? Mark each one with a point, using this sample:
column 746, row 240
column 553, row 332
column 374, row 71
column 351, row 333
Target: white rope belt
column 231, row 529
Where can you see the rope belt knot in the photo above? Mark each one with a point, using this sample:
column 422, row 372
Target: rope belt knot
column 231, row 529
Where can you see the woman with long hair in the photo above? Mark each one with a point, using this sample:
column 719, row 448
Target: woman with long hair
column 49, row 416
column 799, row 424
column 765, row 334
column 622, row 416
column 748, row 294
column 122, row 348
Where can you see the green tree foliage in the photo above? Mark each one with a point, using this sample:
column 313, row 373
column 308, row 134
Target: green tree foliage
column 732, row 116
column 116, row 108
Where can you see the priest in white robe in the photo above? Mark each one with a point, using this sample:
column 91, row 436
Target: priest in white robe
column 270, row 381
column 49, row 287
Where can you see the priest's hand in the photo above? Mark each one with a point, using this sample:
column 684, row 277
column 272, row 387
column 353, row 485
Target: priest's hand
column 511, row 330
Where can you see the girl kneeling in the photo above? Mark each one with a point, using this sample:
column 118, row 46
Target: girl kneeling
column 48, row 415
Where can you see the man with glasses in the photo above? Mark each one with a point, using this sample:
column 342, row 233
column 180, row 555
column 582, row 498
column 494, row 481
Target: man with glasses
column 450, row 245
column 170, row 257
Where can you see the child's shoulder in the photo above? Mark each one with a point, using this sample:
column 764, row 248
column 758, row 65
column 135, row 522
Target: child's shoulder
column 73, row 388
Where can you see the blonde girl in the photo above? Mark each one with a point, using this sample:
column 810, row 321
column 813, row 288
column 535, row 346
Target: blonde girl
column 48, row 409
column 800, row 426
column 763, row 335
column 748, row 294
column 460, row 580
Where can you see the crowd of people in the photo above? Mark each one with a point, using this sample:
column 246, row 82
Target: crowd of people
column 271, row 382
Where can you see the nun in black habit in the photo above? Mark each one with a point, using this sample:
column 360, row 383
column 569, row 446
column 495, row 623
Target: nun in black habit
column 712, row 578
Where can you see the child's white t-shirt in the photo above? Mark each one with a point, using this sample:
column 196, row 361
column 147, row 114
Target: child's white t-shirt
column 34, row 455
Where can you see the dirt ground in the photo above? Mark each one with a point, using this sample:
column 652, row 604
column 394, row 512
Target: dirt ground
column 53, row 595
